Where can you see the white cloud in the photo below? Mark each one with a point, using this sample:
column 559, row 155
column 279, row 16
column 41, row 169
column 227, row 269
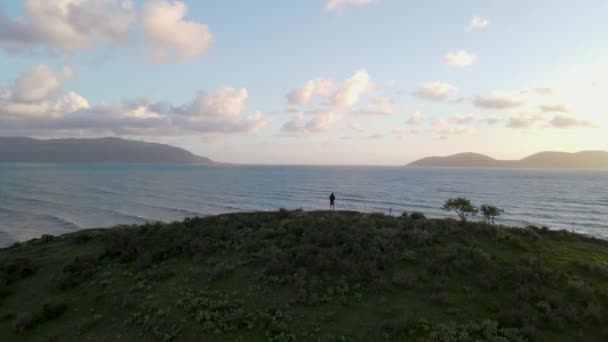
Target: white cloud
column 38, row 84
column 333, row 5
column 319, row 87
column 227, row 102
column 321, row 122
column 445, row 129
column 378, row 106
column 460, row 59
column 74, row 25
column 67, row 25
column 48, row 110
column 352, row 89
column 436, row 91
column 524, row 120
column 169, row 35
column 478, row 23
column 415, row 119
column 345, row 95
column 463, row 119
column 562, row 121
column 499, row 100
column 554, row 108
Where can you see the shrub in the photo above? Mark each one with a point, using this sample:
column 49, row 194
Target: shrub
column 53, row 308
column 417, row 216
column 462, row 207
column 490, row 212
column 24, row 322
column 76, row 272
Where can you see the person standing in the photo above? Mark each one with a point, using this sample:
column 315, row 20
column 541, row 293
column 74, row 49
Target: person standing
column 332, row 202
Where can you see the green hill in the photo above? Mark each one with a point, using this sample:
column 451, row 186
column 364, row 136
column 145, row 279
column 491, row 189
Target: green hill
column 293, row 275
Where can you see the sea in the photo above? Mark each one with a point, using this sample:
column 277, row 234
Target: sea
column 37, row 199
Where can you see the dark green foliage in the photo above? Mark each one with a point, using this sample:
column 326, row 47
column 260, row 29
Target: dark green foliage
column 417, row 216
column 53, row 308
column 157, row 321
column 308, row 276
column 490, row 212
column 76, row 272
column 462, row 207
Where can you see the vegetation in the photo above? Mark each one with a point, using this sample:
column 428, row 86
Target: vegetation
column 490, row 212
column 462, row 207
column 294, row 275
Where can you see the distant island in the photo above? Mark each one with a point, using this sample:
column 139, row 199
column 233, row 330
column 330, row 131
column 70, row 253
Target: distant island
column 103, row 150
column 557, row 160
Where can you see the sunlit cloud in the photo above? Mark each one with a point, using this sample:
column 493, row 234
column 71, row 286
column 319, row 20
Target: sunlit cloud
column 499, row 100
column 460, row 59
column 415, row 119
column 478, row 23
column 44, row 107
column 68, row 26
column 436, row 91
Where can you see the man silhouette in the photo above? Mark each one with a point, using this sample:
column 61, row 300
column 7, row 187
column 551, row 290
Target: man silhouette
column 332, row 199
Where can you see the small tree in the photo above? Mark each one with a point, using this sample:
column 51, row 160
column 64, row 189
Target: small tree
column 490, row 212
column 462, row 207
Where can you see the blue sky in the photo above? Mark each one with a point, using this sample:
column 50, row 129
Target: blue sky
column 222, row 92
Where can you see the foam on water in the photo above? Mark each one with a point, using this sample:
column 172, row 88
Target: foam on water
column 38, row 199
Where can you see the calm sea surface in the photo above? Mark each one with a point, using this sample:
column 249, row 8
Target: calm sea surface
column 38, row 199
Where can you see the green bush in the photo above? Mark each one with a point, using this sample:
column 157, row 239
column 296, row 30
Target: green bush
column 417, row 216
column 79, row 270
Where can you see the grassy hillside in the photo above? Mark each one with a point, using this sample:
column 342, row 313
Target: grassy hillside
column 293, row 275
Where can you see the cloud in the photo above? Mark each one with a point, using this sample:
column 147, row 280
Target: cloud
column 460, row 59
column 378, row 106
column 445, row 129
column 352, row 89
column 319, row 87
column 478, row 23
column 499, row 100
column 415, row 119
column 334, row 5
column 345, row 95
column 436, row 91
column 67, row 25
column 320, row 123
column 463, row 119
column 76, row 25
column 170, row 36
column 48, row 110
column 562, row 121
column 523, row 120
column 554, row 108
column 38, row 84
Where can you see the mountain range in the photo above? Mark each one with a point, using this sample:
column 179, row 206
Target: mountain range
column 103, row 150
column 582, row 160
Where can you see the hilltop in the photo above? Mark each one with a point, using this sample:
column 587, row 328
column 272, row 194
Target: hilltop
column 294, row 275
column 582, row 160
column 103, row 150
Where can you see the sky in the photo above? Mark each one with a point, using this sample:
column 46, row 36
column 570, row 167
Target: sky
column 364, row 82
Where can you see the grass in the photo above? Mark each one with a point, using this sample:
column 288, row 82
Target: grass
column 294, row 275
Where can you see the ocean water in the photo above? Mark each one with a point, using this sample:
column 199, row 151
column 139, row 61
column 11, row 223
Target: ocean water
column 38, row 199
